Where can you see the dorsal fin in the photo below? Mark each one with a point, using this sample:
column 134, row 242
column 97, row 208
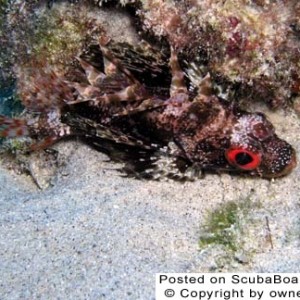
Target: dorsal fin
column 94, row 76
column 205, row 86
column 42, row 90
column 178, row 85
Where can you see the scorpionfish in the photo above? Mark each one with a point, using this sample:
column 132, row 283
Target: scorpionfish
column 200, row 129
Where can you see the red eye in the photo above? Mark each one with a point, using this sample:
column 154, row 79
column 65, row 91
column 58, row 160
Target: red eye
column 243, row 159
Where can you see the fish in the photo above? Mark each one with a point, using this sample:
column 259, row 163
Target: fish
column 164, row 123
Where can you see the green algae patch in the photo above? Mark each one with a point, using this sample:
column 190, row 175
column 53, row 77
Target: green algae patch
column 221, row 227
column 59, row 37
column 233, row 232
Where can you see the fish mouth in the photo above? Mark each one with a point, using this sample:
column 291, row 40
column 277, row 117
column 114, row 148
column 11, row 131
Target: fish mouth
column 288, row 168
column 284, row 164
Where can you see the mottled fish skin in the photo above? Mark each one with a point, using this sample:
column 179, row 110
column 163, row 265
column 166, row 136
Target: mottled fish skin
column 114, row 105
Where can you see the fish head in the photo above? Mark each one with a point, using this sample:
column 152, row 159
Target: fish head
column 255, row 148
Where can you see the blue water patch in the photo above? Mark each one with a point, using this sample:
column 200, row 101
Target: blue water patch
column 10, row 105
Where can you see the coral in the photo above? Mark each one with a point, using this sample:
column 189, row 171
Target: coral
column 6, row 77
column 35, row 37
column 3, row 7
column 252, row 46
column 60, row 36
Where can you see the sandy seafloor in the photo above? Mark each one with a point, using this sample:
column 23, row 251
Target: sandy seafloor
column 96, row 235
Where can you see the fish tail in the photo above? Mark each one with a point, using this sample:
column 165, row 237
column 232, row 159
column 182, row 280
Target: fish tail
column 42, row 90
column 44, row 143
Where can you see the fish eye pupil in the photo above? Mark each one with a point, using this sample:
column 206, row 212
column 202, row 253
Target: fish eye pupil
column 243, row 158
